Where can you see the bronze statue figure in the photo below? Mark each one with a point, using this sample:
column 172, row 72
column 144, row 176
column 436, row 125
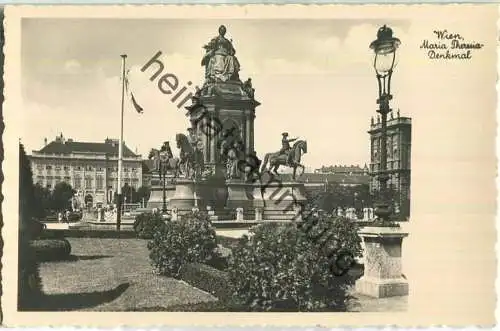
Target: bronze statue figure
column 248, row 88
column 285, row 146
column 191, row 158
column 234, row 155
column 249, row 165
column 219, row 60
column 164, row 158
column 291, row 159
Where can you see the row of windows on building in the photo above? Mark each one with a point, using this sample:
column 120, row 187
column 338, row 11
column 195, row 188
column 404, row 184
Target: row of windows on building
column 391, row 165
column 79, row 168
column 77, row 182
column 67, row 173
column 58, row 173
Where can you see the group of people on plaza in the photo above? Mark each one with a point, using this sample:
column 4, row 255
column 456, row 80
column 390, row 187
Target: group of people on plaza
column 349, row 213
column 64, row 216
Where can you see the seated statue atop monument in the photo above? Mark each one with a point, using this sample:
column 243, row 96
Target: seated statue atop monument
column 220, row 62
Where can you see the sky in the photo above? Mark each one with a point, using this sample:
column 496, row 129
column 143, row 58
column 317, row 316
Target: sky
column 313, row 78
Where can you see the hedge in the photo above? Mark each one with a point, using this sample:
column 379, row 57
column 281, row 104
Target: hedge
column 178, row 243
column 146, row 224
column 207, row 278
column 283, row 267
column 51, row 249
column 88, row 233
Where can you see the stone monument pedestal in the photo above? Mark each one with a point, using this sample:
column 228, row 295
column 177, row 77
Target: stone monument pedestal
column 282, row 199
column 382, row 277
column 156, row 197
column 237, row 196
column 184, row 199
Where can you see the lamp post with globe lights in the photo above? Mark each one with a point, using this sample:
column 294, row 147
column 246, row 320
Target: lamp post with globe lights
column 385, row 60
column 383, row 239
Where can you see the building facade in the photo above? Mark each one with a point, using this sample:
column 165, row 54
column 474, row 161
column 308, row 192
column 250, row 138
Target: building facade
column 90, row 168
column 398, row 159
column 344, row 169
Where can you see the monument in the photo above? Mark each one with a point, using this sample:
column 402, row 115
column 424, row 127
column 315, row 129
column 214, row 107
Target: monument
column 222, row 116
column 217, row 164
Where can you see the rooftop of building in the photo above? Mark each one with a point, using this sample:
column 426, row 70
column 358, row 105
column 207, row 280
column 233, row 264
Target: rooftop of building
column 342, row 169
column 354, row 179
column 63, row 146
column 393, row 119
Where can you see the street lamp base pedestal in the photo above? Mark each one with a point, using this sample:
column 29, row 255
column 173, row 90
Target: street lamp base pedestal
column 382, row 288
column 383, row 270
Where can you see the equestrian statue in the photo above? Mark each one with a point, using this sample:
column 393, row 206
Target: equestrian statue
column 287, row 156
column 191, row 157
column 164, row 160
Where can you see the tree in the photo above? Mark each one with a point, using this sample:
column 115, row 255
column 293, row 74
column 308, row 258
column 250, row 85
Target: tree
column 339, row 196
column 61, row 196
column 26, row 189
column 29, row 282
column 129, row 193
column 42, row 197
column 143, row 192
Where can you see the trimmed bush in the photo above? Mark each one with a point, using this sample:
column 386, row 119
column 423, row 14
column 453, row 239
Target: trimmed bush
column 208, row 279
column 146, row 224
column 51, row 249
column 30, row 283
column 283, row 267
column 228, row 242
column 178, row 243
column 105, row 232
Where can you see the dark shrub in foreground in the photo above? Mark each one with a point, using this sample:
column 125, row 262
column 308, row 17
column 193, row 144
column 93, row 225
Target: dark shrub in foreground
column 29, row 287
column 178, row 243
column 146, row 224
column 285, row 267
column 207, row 278
column 51, row 249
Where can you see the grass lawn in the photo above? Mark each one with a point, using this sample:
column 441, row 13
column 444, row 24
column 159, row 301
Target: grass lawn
column 116, row 275
column 112, row 275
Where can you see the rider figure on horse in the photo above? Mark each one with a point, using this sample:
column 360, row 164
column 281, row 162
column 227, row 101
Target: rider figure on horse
column 165, row 154
column 285, row 146
column 165, row 149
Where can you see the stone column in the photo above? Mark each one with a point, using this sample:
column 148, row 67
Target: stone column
column 205, row 138
column 213, row 141
column 252, row 119
column 248, row 133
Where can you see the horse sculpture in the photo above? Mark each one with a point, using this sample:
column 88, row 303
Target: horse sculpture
column 171, row 164
column 191, row 159
column 276, row 159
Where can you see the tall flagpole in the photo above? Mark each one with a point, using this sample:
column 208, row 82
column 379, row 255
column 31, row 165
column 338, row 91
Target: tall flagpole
column 120, row 151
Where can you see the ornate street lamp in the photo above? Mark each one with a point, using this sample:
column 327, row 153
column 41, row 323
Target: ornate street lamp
column 383, row 276
column 385, row 47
